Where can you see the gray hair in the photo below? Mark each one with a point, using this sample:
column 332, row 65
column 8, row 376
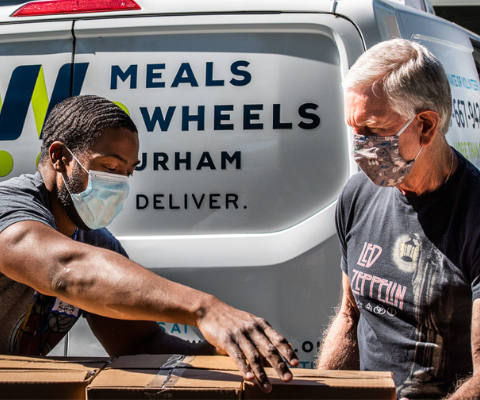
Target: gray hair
column 408, row 75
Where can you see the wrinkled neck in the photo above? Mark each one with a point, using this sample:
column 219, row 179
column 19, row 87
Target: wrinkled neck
column 430, row 172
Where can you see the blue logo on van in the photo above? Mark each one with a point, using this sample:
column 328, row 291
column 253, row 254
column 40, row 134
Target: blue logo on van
column 27, row 85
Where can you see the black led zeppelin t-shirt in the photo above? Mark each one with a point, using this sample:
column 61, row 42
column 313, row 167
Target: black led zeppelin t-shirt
column 414, row 269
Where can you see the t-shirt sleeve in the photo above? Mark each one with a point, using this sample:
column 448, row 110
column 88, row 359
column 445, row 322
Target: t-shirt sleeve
column 340, row 226
column 476, row 275
column 346, row 209
column 19, row 201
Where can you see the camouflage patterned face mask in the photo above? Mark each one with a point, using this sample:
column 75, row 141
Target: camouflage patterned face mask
column 379, row 158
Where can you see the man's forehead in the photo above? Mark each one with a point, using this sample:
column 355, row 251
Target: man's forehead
column 119, row 143
column 114, row 136
column 375, row 101
column 364, row 107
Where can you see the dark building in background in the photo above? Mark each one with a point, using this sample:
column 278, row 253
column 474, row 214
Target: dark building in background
column 467, row 16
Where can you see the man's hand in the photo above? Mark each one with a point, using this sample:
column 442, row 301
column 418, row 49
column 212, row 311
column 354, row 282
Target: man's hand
column 247, row 338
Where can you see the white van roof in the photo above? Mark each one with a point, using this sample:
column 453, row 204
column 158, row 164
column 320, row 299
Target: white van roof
column 185, row 7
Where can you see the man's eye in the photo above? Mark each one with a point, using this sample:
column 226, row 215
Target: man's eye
column 369, row 131
column 374, row 132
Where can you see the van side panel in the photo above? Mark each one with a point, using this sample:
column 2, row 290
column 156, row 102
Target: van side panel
column 243, row 151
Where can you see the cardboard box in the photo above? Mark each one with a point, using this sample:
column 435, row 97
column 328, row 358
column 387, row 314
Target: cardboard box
column 318, row 384
column 168, row 377
column 169, row 361
column 217, row 377
column 47, row 378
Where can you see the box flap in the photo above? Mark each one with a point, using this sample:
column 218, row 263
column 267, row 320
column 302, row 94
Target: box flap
column 338, row 381
column 223, row 363
column 169, row 361
column 173, row 378
column 374, row 376
column 202, row 378
column 57, row 363
column 299, row 372
column 127, row 378
column 180, row 383
column 44, row 376
column 323, row 384
column 143, row 361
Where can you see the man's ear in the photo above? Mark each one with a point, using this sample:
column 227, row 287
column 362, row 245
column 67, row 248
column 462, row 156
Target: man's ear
column 430, row 122
column 59, row 156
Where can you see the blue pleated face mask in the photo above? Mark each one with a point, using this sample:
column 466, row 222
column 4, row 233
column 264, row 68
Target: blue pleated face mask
column 103, row 198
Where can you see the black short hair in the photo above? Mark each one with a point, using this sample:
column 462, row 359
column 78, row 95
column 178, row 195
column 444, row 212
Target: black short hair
column 79, row 121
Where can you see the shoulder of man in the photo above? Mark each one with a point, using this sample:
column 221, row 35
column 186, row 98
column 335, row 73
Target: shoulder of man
column 467, row 191
column 24, row 198
column 353, row 198
column 26, row 182
column 467, row 182
column 357, row 186
column 471, row 170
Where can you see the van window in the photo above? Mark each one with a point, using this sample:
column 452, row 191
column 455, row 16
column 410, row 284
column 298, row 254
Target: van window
column 418, row 4
column 241, row 131
column 476, row 55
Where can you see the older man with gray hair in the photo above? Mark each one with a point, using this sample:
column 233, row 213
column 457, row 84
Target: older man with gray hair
column 409, row 230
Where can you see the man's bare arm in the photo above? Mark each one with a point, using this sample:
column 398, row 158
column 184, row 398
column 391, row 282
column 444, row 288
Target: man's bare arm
column 470, row 389
column 339, row 349
column 106, row 283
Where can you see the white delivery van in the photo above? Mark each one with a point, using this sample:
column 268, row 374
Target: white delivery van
column 243, row 143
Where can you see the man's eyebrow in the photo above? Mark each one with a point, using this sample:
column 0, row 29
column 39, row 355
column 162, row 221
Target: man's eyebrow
column 371, row 122
column 119, row 157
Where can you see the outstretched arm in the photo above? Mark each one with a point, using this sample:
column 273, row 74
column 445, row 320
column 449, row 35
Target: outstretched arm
column 339, row 349
column 470, row 389
column 53, row 264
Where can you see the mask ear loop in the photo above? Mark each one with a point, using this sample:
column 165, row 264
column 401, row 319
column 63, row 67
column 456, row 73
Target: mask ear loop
column 76, row 159
column 407, row 124
column 421, row 148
